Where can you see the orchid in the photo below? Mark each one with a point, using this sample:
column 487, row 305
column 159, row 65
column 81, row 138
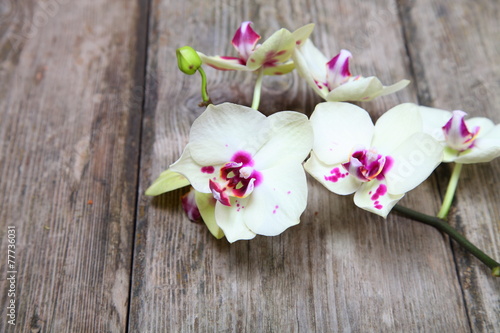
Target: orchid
column 246, row 170
column 272, row 56
column 380, row 163
column 475, row 140
column 332, row 79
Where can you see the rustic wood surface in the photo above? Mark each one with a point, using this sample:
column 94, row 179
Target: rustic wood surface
column 93, row 108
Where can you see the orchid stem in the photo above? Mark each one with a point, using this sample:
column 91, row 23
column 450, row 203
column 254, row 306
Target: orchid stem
column 450, row 191
column 257, row 89
column 204, row 91
column 448, row 229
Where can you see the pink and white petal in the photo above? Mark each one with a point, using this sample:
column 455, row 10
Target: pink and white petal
column 167, row 181
column 189, row 205
column 230, row 219
column 277, row 49
column 277, row 203
column 206, row 207
column 337, row 69
column 222, row 130
column 338, row 129
column 486, row 148
column 413, row 162
column 223, row 63
column 197, row 174
column 374, row 197
column 334, row 177
column 395, row 126
column 290, row 142
column 245, row 39
column 433, row 121
column 280, row 69
column 361, row 89
column 302, row 34
column 386, row 90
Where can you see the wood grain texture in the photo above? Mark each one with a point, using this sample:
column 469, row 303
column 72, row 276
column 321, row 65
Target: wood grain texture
column 341, row 269
column 72, row 78
column 69, row 147
column 454, row 47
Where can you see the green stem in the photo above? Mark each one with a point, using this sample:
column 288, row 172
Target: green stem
column 448, row 229
column 257, row 89
column 204, row 91
column 450, row 191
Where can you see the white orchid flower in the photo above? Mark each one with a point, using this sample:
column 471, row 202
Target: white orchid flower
column 332, row 80
column 474, row 140
column 250, row 164
column 273, row 55
column 379, row 162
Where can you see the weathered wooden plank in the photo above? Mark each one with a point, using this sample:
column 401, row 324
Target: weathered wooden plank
column 454, row 48
column 70, row 102
column 341, row 269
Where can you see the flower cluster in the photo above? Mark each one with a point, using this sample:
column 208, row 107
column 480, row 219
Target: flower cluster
column 247, row 172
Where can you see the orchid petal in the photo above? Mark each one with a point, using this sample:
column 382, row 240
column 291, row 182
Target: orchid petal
column 414, row 160
column 486, row 148
column 374, row 197
column 433, row 120
column 395, row 126
column 189, row 205
column 386, row 90
column 278, row 202
column 334, row 177
column 197, row 174
column 310, row 64
column 485, row 125
column 223, row 62
column 167, row 181
column 206, row 206
column 314, row 60
column 244, row 40
column 338, row 128
column 222, row 130
column 363, row 89
column 302, row 34
column 337, row 69
column 291, row 140
column 277, row 49
column 359, row 89
column 230, row 219
column 280, row 69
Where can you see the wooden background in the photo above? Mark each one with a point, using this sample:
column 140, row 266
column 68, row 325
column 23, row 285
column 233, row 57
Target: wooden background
column 93, row 108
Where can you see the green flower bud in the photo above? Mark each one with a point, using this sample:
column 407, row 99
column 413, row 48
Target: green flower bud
column 188, row 60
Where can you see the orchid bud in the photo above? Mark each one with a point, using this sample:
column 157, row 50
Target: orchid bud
column 338, row 69
column 457, row 134
column 188, row 60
